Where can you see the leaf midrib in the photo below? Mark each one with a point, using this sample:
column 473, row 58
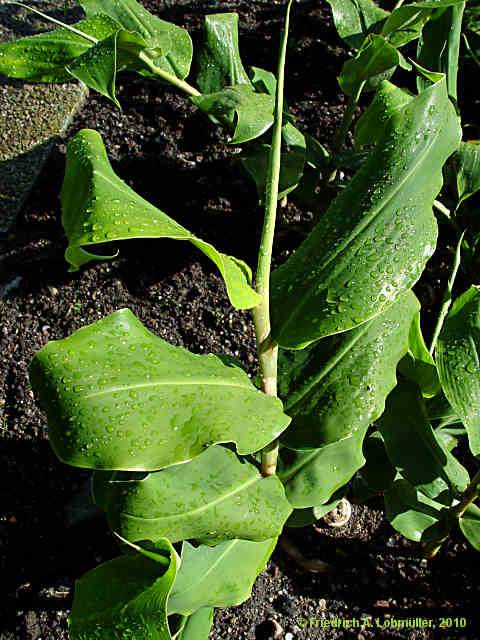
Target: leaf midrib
column 171, row 382
column 209, row 505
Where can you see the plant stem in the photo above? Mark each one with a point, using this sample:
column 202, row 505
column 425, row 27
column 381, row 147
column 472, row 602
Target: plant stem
column 168, row 77
column 342, row 130
column 58, row 22
column 267, row 349
column 325, row 192
column 455, row 513
column 447, row 297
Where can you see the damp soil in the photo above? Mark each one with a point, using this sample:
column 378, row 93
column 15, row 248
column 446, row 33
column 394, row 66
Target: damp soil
column 169, row 153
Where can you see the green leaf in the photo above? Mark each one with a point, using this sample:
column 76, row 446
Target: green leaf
column 311, row 479
column 355, row 19
column 255, row 158
column 125, row 598
column 433, row 470
column 466, row 163
column 340, row 384
column 388, row 100
column 414, row 515
column 439, row 46
column 198, row 625
column 418, row 365
column 97, row 206
column 375, row 58
column 378, row 472
column 220, row 576
column 470, row 525
column 170, row 46
column 450, row 436
column 219, row 62
column 119, row 397
column 458, row 362
column 374, row 240
column 213, row 498
column 43, row 58
column 98, row 66
column 254, row 110
column 264, row 81
column 407, row 22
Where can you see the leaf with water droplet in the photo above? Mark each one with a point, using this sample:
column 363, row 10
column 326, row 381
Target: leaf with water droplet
column 321, row 386
column 219, row 403
column 91, row 184
column 201, row 578
column 457, row 355
column 213, row 492
column 42, row 58
column 169, row 45
column 334, row 252
column 126, row 597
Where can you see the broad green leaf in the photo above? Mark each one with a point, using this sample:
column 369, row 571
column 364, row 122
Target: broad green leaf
column 466, row 161
column 439, row 46
column 378, row 472
column 98, row 66
column 375, row 58
column 213, row 498
column 219, row 63
column 458, row 362
column 375, row 238
column 97, row 206
column 355, row 19
column 254, row 111
column 418, row 365
column 125, row 598
column 433, row 470
column 470, row 525
column 412, row 514
column 170, row 46
column 119, row 397
column 43, row 58
column 339, row 385
column 198, row 625
column 220, row 576
column 310, row 479
column 388, row 99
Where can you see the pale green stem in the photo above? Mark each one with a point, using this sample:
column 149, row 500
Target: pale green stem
column 342, row 130
column 454, row 515
column 168, row 77
column 268, row 350
column 61, row 24
column 470, row 50
column 337, row 144
column 447, row 297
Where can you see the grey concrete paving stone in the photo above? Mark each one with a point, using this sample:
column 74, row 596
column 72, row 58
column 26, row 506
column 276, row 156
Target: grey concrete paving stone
column 32, row 116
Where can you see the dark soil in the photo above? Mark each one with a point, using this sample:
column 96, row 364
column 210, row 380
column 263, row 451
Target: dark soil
column 173, row 157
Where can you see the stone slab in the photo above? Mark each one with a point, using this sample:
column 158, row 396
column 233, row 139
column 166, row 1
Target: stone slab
column 32, row 116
